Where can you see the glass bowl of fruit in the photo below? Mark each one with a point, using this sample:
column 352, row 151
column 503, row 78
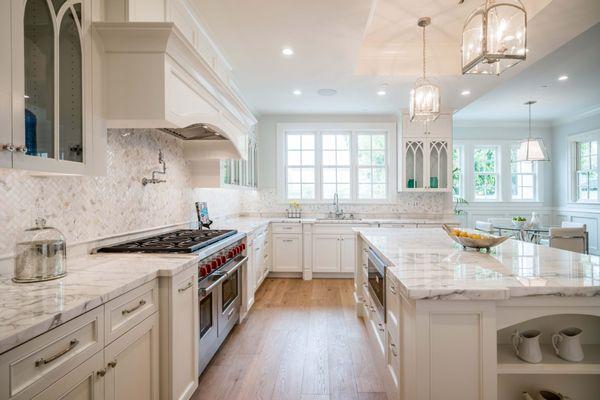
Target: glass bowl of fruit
column 519, row 222
column 469, row 238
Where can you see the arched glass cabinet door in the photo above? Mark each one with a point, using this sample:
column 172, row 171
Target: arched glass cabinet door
column 70, row 91
column 438, row 164
column 53, row 74
column 413, row 160
column 39, row 44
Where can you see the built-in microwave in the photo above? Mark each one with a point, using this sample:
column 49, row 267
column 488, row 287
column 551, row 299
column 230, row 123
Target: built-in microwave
column 376, row 272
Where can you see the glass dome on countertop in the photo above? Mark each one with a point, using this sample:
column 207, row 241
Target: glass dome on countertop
column 40, row 254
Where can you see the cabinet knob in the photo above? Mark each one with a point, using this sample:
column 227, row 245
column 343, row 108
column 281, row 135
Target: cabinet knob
column 8, row 147
column 101, row 373
column 21, row 149
column 112, row 364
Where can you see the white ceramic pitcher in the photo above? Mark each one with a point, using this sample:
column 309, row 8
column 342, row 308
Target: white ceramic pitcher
column 527, row 345
column 567, row 344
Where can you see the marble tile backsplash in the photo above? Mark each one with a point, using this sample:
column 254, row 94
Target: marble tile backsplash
column 88, row 208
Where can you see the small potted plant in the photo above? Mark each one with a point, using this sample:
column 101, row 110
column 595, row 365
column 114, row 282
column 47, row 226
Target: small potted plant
column 519, row 222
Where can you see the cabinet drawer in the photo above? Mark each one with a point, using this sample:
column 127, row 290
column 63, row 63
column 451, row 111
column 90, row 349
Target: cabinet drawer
column 129, row 309
column 34, row 365
column 392, row 299
column 392, row 356
column 287, row 228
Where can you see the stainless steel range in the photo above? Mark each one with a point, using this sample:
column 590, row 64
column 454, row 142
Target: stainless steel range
column 222, row 259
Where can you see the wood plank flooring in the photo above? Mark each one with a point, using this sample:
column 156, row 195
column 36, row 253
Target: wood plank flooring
column 301, row 341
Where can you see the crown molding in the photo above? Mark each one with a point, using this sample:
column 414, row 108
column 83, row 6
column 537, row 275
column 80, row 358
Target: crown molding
column 500, row 124
column 590, row 112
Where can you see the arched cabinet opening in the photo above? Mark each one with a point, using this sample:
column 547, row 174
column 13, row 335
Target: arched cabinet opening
column 53, row 80
column 558, row 352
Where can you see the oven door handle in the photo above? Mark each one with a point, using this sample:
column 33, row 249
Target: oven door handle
column 208, row 289
column 230, row 271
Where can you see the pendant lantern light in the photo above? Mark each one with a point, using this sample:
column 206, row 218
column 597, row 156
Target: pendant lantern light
column 425, row 96
column 532, row 149
column 494, row 37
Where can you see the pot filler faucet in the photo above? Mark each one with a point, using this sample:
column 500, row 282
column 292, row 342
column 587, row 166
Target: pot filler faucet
column 154, row 179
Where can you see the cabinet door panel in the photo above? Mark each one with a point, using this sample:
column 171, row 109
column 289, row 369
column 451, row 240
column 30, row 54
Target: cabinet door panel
column 326, row 253
column 82, row 383
column 347, row 253
column 135, row 354
column 287, row 253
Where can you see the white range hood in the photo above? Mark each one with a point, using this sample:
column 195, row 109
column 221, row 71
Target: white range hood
column 155, row 78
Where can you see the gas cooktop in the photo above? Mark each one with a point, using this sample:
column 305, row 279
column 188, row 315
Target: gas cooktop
column 181, row 241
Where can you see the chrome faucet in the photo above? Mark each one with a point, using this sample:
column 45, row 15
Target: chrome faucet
column 339, row 213
column 154, row 179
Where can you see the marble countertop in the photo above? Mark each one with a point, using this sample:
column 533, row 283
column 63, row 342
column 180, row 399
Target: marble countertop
column 28, row 310
column 250, row 224
column 430, row 266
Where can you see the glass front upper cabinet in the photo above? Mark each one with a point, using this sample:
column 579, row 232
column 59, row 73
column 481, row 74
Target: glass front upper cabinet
column 53, row 81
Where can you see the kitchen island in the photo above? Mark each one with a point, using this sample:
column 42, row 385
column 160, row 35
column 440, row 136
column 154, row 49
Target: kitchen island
column 448, row 315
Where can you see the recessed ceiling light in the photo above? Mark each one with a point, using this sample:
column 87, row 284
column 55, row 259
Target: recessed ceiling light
column 297, row 92
column 465, row 92
column 327, row 92
column 563, row 77
column 287, row 51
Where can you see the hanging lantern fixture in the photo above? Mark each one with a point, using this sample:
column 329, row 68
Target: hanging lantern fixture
column 494, row 37
column 532, row 149
column 425, row 96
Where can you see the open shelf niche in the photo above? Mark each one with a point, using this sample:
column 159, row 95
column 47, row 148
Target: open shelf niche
column 578, row 380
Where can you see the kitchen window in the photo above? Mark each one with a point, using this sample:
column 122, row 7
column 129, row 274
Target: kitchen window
column 320, row 160
column 458, row 176
column 523, row 177
column 372, row 173
column 336, row 165
column 300, row 166
column 586, row 174
column 486, row 173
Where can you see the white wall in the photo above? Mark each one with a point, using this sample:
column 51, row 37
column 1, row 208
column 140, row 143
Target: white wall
column 267, row 202
column 588, row 214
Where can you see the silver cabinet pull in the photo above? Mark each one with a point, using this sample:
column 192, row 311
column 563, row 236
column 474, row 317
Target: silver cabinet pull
column 8, row 147
column 44, row 361
column 186, row 287
column 129, row 311
column 230, row 313
column 101, row 373
column 393, row 289
column 112, row 364
column 380, row 327
column 21, row 149
column 287, row 240
column 394, row 349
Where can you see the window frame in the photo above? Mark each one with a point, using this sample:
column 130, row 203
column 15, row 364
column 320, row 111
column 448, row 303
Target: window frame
column 497, row 172
column 461, row 165
column 354, row 128
column 504, row 168
column 535, row 173
column 573, row 140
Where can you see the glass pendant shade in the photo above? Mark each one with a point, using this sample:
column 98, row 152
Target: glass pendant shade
column 424, row 96
column 532, row 149
column 424, row 101
column 494, row 37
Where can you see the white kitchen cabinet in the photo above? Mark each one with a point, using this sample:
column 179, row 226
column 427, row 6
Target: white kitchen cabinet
column 261, row 258
column 334, row 253
column 179, row 333
column 287, row 252
column 132, row 364
column 83, row 383
column 347, row 253
column 425, row 156
column 326, row 253
column 52, row 127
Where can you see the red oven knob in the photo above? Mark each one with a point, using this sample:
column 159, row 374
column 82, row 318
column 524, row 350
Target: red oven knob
column 223, row 259
column 238, row 249
column 230, row 254
column 203, row 271
column 219, row 262
column 213, row 265
column 243, row 246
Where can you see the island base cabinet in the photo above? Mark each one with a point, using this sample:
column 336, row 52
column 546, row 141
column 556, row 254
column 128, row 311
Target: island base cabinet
column 132, row 364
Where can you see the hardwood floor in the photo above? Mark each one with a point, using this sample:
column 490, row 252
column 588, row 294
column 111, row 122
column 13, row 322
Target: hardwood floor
column 301, row 341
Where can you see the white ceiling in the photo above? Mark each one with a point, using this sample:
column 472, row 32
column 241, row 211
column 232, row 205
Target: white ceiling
column 347, row 45
column 579, row 59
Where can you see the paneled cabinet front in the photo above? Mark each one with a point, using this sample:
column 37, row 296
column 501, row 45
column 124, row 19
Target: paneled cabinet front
column 287, row 252
column 334, row 253
column 50, row 127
